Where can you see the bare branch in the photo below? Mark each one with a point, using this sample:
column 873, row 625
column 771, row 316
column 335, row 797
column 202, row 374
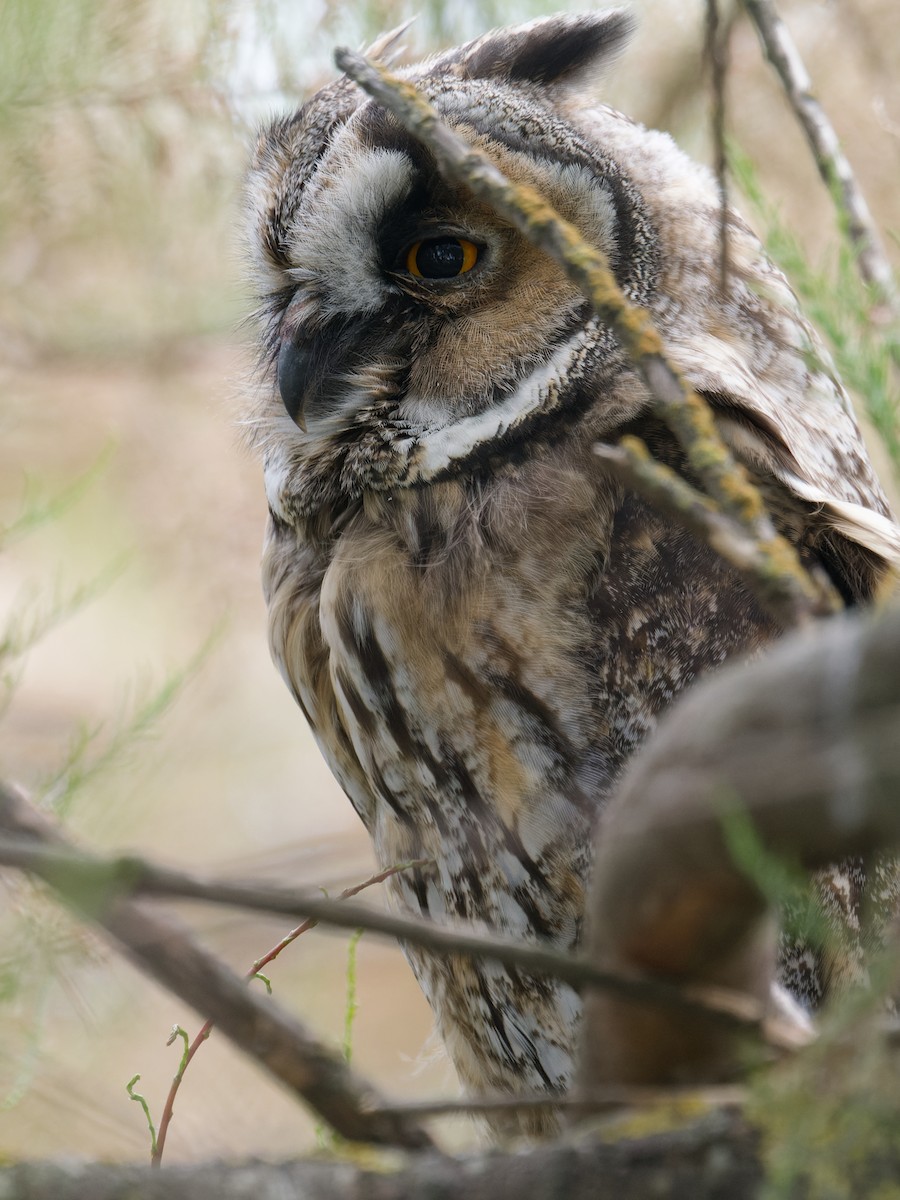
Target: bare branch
column 97, row 885
column 686, row 413
column 583, row 1103
column 716, row 52
column 165, row 950
column 833, row 165
column 270, row 955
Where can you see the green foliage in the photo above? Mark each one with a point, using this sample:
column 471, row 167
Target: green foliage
column 327, row 1141
column 30, row 1058
column 96, row 750
column 830, row 1116
column 351, row 1007
column 116, row 146
column 42, row 946
column 38, row 509
column 863, row 339
column 37, row 612
column 785, row 886
column 40, row 609
column 179, row 1032
column 264, row 980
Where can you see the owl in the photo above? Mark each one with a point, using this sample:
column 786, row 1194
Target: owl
column 479, row 624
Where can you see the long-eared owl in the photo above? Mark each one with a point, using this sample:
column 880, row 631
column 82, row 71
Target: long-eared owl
column 479, row 624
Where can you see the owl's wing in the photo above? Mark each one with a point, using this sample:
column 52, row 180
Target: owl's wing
column 825, row 465
column 785, row 416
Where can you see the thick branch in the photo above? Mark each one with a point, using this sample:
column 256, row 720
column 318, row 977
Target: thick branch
column 674, row 1164
column 279, row 1042
column 791, row 593
column 805, row 742
column 833, row 165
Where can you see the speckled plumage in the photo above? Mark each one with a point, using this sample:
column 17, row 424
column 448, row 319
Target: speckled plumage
column 479, row 625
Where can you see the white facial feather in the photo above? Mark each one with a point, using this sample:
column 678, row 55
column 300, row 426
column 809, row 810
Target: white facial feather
column 577, row 194
column 335, row 239
column 435, row 449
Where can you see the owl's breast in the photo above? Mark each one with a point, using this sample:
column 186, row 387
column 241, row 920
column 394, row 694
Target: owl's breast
column 478, row 662
column 461, row 671
column 477, row 665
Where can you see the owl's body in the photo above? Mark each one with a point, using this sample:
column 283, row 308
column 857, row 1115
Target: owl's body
column 479, row 624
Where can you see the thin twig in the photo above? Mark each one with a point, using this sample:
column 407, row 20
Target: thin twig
column 593, row 1101
column 165, row 950
column 834, row 167
column 790, row 592
column 716, row 53
column 98, row 885
column 190, row 1049
column 159, row 1141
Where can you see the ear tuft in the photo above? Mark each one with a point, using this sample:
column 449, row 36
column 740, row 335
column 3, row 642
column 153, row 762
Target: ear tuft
column 552, row 51
column 389, row 47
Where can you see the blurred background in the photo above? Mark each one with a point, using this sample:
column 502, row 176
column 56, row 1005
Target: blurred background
column 137, row 698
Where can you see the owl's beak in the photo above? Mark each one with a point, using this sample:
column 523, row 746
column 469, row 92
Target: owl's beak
column 294, row 370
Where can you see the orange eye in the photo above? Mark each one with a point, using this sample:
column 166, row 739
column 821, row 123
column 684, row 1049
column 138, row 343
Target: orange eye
column 441, row 258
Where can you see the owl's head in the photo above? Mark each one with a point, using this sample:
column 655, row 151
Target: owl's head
column 410, row 335
column 407, row 330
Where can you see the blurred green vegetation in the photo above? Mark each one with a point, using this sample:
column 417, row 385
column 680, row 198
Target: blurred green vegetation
column 117, row 149
column 123, row 132
column 861, row 335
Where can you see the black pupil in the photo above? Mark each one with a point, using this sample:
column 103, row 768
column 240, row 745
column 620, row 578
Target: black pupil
column 441, row 258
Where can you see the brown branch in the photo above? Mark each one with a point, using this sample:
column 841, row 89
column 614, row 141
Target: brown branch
column 804, row 743
column 833, row 165
column 716, row 54
column 97, row 884
column 688, row 416
column 163, row 949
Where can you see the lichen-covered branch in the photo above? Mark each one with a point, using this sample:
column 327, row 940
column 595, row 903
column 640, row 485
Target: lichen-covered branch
column 693, row 1155
column 674, row 1164
column 686, row 413
column 163, row 949
column 833, row 165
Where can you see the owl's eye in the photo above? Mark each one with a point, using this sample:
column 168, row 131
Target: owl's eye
column 441, row 257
